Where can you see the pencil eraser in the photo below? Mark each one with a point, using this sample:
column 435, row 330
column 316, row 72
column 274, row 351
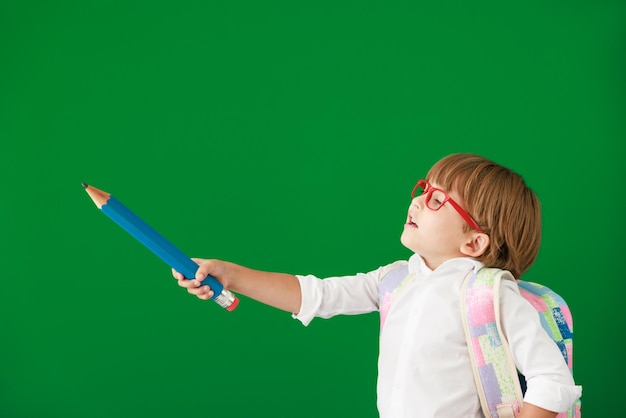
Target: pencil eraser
column 233, row 305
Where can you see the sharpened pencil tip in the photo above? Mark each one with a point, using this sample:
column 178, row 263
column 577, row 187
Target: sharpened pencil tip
column 85, row 185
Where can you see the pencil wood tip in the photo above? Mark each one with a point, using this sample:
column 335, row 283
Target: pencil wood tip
column 85, row 185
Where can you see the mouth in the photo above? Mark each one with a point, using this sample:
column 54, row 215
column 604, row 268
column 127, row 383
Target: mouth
column 410, row 224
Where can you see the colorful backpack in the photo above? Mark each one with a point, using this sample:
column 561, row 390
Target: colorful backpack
column 499, row 384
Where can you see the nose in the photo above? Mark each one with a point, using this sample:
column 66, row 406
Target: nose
column 417, row 201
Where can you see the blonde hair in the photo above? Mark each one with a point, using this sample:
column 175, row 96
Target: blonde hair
column 500, row 202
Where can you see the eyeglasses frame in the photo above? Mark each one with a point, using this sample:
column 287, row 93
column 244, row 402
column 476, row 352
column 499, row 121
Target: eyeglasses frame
column 429, row 189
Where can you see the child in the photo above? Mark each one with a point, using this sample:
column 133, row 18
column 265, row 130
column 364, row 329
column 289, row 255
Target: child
column 468, row 213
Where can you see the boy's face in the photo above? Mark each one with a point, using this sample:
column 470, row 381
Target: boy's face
column 436, row 235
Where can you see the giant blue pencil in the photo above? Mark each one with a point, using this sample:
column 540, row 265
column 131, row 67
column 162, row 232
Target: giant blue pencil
column 156, row 243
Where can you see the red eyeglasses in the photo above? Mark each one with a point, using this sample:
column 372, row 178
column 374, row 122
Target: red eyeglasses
column 436, row 198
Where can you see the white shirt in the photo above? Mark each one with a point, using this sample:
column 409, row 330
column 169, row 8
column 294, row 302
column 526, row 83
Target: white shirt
column 424, row 368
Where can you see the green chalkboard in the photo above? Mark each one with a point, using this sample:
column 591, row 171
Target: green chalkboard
column 284, row 136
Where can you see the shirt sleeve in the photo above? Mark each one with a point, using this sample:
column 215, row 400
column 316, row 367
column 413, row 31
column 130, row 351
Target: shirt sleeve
column 550, row 384
column 343, row 295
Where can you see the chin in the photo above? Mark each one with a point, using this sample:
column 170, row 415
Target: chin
column 406, row 242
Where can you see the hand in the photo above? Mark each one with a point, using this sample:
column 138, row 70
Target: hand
column 194, row 286
column 532, row 411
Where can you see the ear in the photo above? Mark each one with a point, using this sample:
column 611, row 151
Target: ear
column 476, row 244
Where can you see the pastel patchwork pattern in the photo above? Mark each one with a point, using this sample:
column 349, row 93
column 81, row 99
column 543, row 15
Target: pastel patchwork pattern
column 554, row 315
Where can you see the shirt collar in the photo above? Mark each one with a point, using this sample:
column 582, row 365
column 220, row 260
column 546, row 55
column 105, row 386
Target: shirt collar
column 418, row 266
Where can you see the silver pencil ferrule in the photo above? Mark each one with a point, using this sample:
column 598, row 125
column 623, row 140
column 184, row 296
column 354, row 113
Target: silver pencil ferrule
column 225, row 299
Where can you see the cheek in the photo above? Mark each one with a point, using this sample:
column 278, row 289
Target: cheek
column 443, row 226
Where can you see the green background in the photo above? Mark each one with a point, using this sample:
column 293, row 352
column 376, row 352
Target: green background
column 285, row 136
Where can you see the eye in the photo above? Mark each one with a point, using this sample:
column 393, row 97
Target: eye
column 437, row 199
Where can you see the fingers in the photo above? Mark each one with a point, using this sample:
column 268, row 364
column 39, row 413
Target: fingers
column 177, row 275
column 205, row 268
column 202, row 292
column 195, row 287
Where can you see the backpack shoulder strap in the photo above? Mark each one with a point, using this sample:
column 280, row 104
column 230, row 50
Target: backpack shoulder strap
column 389, row 287
column 495, row 373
